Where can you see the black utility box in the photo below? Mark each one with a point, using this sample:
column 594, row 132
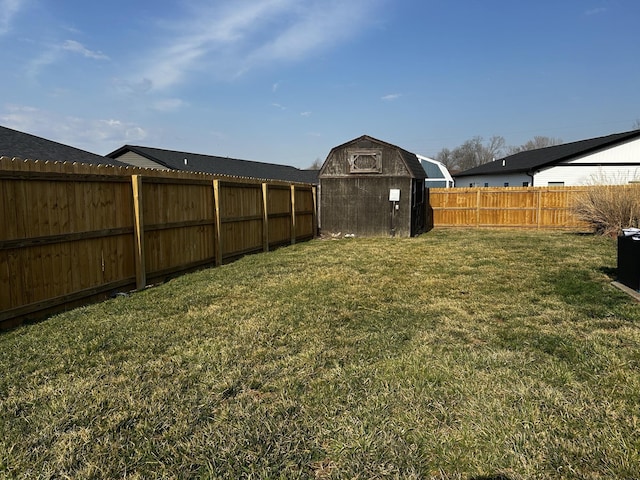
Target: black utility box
column 629, row 260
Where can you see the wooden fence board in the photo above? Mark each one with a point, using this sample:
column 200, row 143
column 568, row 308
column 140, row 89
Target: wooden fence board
column 70, row 229
column 515, row 207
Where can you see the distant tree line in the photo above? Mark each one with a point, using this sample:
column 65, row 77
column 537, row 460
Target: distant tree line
column 476, row 151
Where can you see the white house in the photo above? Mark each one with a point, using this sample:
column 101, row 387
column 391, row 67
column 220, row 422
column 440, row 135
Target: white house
column 614, row 159
column 437, row 174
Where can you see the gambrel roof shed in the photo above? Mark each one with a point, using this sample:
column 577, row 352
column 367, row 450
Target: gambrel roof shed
column 158, row 158
column 370, row 188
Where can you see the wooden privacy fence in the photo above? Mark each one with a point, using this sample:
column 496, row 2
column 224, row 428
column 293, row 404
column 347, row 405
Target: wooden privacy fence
column 71, row 233
column 515, row 207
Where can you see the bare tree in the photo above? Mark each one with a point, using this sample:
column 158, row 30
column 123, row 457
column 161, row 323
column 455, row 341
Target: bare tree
column 444, row 157
column 316, row 165
column 472, row 153
column 533, row 144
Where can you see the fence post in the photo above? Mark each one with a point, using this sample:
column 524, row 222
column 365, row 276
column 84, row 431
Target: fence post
column 265, row 217
column 293, row 214
column 216, row 215
column 539, row 219
column 138, row 232
column 314, row 193
column 478, row 207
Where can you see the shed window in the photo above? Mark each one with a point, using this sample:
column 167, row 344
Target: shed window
column 555, row 184
column 506, row 184
column 365, row 161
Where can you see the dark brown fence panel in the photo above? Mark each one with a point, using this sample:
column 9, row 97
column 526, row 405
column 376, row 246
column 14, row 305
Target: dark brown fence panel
column 305, row 216
column 178, row 225
column 71, row 233
column 279, row 215
column 241, row 219
column 63, row 237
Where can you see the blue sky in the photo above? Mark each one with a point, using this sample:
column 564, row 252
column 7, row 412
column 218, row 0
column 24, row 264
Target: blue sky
column 284, row 81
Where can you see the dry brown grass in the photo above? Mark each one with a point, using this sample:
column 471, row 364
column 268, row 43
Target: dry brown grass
column 609, row 208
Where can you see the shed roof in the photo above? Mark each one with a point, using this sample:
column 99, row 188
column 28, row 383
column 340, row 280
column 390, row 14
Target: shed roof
column 530, row 160
column 26, row 146
column 409, row 159
column 212, row 164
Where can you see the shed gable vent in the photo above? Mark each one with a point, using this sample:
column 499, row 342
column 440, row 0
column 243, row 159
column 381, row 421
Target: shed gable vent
column 365, row 161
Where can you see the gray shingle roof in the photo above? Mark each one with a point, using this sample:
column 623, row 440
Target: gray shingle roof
column 215, row 165
column 26, row 146
column 531, row 160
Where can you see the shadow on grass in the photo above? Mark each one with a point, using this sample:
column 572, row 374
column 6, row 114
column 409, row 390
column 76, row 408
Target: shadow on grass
column 610, row 272
column 491, row 477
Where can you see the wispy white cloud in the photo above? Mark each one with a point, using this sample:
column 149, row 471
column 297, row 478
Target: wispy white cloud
column 233, row 37
column 130, row 87
column 305, row 114
column 275, row 87
column 391, row 97
column 77, row 47
column 91, row 134
column 278, row 106
column 595, row 11
column 169, row 104
column 46, row 58
column 54, row 53
column 8, row 10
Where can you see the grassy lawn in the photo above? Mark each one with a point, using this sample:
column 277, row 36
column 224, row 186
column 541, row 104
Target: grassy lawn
column 456, row 355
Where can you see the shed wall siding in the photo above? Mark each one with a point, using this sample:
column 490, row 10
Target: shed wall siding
column 361, row 206
column 392, row 165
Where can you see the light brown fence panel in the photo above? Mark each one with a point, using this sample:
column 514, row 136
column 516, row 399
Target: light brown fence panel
column 241, row 219
column 178, row 225
column 279, row 214
column 555, row 208
column 515, row 207
column 507, row 208
column 305, row 213
column 454, row 210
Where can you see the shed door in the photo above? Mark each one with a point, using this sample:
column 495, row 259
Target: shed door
column 417, row 206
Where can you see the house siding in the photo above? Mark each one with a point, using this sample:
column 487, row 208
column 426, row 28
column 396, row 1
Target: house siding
column 137, row 160
column 513, row 179
column 619, row 164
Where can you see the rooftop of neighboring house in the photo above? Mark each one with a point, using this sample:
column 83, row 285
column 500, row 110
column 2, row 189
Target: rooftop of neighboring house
column 15, row 144
column 195, row 162
column 530, row 160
